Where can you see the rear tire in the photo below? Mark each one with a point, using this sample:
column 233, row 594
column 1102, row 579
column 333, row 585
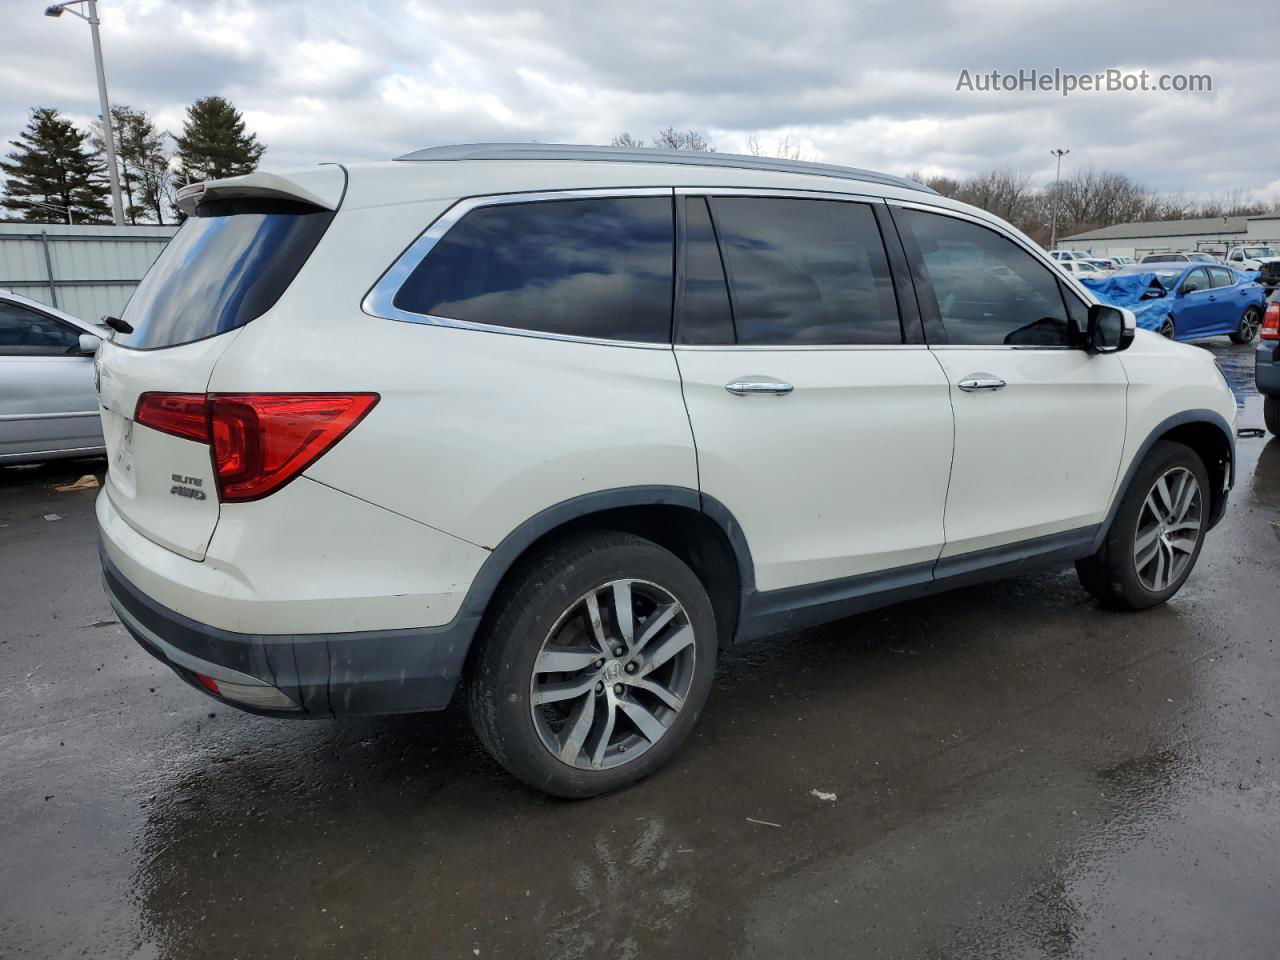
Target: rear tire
column 1156, row 534
column 594, row 665
column 1250, row 321
column 1271, row 414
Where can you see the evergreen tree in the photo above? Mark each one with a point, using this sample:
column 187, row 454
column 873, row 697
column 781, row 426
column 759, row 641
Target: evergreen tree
column 51, row 165
column 143, row 161
column 214, row 143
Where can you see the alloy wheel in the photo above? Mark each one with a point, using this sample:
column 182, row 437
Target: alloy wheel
column 1249, row 325
column 1166, row 329
column 612, row 674
column 1168, row 529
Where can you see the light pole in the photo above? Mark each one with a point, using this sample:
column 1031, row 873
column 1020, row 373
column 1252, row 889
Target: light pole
column 1053, row 219
column 108, row 132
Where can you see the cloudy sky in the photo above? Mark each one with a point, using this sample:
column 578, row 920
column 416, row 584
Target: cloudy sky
column 868, row 84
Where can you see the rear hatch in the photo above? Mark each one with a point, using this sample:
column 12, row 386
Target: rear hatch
column 243, row 243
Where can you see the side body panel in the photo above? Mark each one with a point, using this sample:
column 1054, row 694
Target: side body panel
column 47, row 406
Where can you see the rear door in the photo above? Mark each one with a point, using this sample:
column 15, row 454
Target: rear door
column 823, row 431
column 1039, row 423
column 47, row 401
column 228, row 265
column 1230, row 300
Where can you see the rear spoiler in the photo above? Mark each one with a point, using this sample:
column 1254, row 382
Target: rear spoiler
column 321, row 187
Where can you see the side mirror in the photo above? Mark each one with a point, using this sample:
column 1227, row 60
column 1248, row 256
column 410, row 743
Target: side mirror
column 1110, row 328
column 1190, row 287
column 89, row 344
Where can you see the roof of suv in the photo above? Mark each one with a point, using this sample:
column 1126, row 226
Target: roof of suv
column 559, row 151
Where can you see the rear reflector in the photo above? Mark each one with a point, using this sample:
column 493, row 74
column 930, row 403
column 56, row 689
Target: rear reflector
column 260, row 441
column 207, row 682
column 1271, row 322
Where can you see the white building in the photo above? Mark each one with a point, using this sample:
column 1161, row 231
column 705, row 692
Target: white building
column 1210, row 234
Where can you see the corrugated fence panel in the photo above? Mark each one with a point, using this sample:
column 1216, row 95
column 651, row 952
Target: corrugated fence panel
column 94, row 268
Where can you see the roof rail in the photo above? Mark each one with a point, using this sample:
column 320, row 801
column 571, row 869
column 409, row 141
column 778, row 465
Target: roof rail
column 564, row 151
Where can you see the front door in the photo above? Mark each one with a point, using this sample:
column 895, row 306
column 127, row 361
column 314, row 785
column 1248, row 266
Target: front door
column 825, row 435
column 1040, row 423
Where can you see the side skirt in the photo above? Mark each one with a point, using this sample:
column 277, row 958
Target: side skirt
column 793, row 608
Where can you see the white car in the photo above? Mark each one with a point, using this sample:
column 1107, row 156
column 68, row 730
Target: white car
column 558, row 424
column 1084, row 269
column 1066, row 255
column 48, row 406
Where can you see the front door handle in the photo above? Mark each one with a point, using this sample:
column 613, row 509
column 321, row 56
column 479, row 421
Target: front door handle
column 973, row 384
column 753, row 386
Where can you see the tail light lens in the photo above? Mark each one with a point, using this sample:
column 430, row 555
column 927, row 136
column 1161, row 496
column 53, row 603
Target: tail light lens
column 1271, row 322
column 259, row 441
column 182, row 415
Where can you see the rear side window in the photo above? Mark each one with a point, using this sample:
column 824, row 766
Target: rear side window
column 227, row 265
column 598, row 267
column 989, row 291
column 1222, row 277
column 806, row 271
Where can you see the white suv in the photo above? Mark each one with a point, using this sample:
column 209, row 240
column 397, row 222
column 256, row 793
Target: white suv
column 555, row 425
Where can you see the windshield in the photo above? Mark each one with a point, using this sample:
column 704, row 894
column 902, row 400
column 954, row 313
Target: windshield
column 227, row 265
column 1252, row 252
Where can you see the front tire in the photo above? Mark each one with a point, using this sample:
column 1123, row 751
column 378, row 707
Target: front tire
column 594, row 666
column 1250, row 321
column 1156, row 535
column 1167, row 329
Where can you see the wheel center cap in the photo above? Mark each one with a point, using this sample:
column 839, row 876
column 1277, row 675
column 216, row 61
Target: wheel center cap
column 611, row 672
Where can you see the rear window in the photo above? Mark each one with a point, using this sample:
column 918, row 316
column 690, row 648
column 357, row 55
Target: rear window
column 227, row 265
column 599, row 268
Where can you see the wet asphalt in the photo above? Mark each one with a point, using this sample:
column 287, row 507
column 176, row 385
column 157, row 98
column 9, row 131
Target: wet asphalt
column 1017, row 773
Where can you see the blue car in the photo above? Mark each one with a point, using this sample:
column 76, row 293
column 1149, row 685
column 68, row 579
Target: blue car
column 1202, row 300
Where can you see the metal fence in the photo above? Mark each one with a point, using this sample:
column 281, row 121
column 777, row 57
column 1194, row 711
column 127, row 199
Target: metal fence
column 86, row 271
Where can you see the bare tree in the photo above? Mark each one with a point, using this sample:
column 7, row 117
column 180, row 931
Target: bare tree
column 625, row 139
column 673, row 139
column 783, row 149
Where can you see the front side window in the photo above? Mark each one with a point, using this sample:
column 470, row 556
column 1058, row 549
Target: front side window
column 25, row 332
column 806, row 271
column 989, row 290
column 1197, row 279
column 596, row 267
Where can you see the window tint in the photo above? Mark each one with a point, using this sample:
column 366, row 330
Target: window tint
column 988, row 289
column 1221, row 277
column 25, row 332
column 705, row 316
column 806, row 271
column 587, row 268
column 228, row 265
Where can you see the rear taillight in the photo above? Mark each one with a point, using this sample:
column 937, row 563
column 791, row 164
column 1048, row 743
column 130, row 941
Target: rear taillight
column 1271, row 322
column 260, row 441
column 183, row 415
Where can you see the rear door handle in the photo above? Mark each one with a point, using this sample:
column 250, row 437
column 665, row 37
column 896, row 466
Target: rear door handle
column 973, row 384
column 753, row 386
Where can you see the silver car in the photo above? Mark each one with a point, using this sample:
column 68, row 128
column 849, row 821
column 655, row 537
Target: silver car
column 48, row 403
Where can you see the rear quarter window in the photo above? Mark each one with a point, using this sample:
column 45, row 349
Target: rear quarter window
column 226, row 266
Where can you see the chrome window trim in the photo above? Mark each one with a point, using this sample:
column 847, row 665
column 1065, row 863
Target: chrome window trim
column 779, row 192
column 794, row 347
column 380, row 300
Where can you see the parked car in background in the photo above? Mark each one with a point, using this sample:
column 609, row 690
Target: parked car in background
column 1266, row 370
column 1085, row 269
column 559, row 424
column 1263, row 258
column 1105, row 265
column 1123, row 261
column 1187, row 256
column 1061, row 255
column 1206, row 301
column 48, row 405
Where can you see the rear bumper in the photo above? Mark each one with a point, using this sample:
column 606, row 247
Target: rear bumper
column 1266, row 370
column 340, row 674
